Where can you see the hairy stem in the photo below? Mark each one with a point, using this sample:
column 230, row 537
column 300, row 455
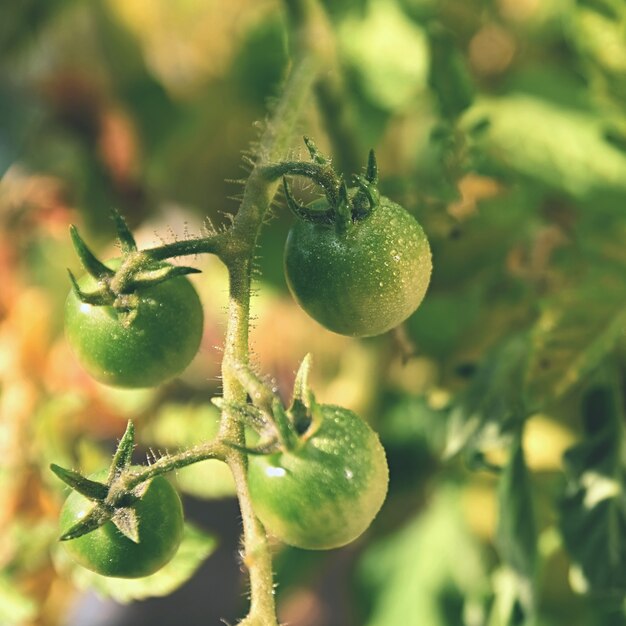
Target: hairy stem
column 213, row 244
column 243, row 235
column 202, row 452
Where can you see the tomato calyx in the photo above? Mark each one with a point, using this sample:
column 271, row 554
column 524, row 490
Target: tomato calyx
column 343, row 206
column 135, row 270
column 279, row 428
column 113, row 500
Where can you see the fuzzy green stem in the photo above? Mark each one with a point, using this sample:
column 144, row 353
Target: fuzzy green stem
column 202, row 452
column 243, row 234
column 212, row 244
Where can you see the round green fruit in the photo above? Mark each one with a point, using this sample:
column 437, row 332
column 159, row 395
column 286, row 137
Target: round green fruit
column 327, row 490
column 108, row 552
column 362, row 281
column 158, row 343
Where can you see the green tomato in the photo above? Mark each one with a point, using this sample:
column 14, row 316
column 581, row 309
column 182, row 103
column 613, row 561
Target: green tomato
column 109, row 553
column 363, row 281
column 326, row 491
column 156, row 345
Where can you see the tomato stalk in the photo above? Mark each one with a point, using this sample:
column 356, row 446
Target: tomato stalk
column 311, row 30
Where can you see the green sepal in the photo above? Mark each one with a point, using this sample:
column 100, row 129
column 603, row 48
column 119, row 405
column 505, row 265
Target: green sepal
column 366, row 199
column 301, row 391
column 316, row 155
column 285, row 428
column 305, row 213
column 124, row 235
column 156, row 275
column 92, row 265
column 95, row 298
column 125, row 520
column 303, row 398
column 343, row 209
column 123, row 454
column 99, row 515
column 371, row 171
column 89, row 488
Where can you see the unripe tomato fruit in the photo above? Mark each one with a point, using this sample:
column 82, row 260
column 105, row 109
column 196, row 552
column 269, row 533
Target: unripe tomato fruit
column 109, row 553
column 363, row 281
column 326, row 491
column 156, row 345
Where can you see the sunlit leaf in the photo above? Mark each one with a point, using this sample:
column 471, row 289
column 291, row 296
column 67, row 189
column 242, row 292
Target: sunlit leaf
column 593, row 510
column 196, row 546
column 494, row 402
column 429, row 573
column 517, row 544
column 560, row 148
column 388, row 51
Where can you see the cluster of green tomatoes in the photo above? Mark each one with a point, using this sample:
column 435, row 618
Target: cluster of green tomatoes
column 356, row 262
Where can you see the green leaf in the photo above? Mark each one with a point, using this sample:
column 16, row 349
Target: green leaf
column 449, row 77
column 516, row 539
column 517, row 534
column 494, row 403
column 593, row 510
column 576, row 330
column 430, row 573
column 388, row 52
column 510, row 594
column 196, row 546
column 562, row 149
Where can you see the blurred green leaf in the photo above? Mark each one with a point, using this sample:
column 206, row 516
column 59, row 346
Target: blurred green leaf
column 576, row 330
column 440, row 323
column 388, row 51
column 593, row 509
column 516, row 540
column 429, row 573
column 196, row 546
column 449, row 76
column 494, row 403
column 563, row 149
column 598, row 30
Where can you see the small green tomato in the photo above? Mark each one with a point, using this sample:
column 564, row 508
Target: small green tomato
column 159, row 342
column 362, row 280
column 109, row 553
column 326, row 491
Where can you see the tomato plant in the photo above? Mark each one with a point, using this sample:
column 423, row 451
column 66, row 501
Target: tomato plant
column 106, row 551
column 324, row 489
column 501, row 130
column 362, row 281
column 142, row 348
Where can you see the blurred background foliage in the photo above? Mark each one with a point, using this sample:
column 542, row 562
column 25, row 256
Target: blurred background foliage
column 501, row 125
